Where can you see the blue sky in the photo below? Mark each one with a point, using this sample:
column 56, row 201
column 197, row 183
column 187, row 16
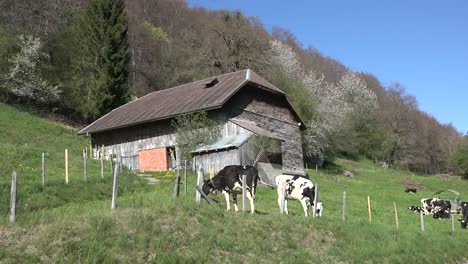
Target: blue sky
column 421, row 44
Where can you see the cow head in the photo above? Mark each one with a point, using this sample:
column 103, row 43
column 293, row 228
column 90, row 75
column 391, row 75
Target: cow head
column 319, row 209
column 207, row 187
column 464, row 222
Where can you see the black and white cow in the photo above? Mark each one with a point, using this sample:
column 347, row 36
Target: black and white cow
column 464, row 211
column 416, row 209
column 229, row 180
column 439, row 208
column 410, row 190
column 297, row 188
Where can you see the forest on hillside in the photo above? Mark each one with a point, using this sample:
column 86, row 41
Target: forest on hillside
column 82, row 58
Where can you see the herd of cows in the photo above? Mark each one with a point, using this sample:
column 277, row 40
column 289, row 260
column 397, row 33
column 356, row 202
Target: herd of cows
column 228, row 181
column 441, row 208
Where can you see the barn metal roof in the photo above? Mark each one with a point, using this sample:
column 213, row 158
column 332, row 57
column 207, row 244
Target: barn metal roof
column 225, row 143
column 206, row 94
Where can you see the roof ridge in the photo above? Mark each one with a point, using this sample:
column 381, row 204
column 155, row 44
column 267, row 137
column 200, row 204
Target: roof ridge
column 155, row 92
column 179, row 99
column 196, row 81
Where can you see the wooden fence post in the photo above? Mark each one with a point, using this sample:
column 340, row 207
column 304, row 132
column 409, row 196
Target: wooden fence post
column 177, row 182
column 314, row 208
column 396, row 216
column 111, row 165
column 199, row 190
column 120, row 163
column 244, row 191
column 115, row 187
column 102, row 166
column 453, row 222
column 421, row 219
column 43, row 169
column 199, row 182
column 369, row 209
column 283, row 198
column 185, row 177
column 344, row 206
column 212, row 170
column 13, row 198
column 66, row 166
column 84, row 166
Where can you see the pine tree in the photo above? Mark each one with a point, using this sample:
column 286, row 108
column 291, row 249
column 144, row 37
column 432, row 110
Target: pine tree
column 101, row 70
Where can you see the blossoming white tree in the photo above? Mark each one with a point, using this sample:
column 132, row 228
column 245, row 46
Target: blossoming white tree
column 335, row 104
column 24, row 80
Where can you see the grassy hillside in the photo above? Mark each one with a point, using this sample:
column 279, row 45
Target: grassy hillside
column 150, row 226
column 23, row 139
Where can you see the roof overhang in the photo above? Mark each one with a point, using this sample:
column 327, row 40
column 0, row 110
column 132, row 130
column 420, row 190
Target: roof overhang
column 252, row 127
column 247, row 81
column 233, row 141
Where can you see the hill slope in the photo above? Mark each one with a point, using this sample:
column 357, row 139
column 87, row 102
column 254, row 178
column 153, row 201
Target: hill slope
column 23, row 139
column 151, row 226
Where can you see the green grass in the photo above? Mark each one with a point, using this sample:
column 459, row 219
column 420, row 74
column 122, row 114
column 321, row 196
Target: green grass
column 150, row 226
column 23, row 139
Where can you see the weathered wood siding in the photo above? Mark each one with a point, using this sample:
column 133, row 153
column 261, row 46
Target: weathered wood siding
column 271, row 113
column 223, row 158
column 128, row 141
column 218, row 159
column 268, row 111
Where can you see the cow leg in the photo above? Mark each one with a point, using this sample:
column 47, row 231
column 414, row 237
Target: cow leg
column 304, row 206
column 234, row 200
column 252, row 206
column 226, row 195
column 286, row 206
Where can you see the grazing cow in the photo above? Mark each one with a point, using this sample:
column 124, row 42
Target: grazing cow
column 229, row 180
column 408, row 190
column 298, row 188
column 416, row 209
column 464, row 211
column 426, row 205
column 439, row 208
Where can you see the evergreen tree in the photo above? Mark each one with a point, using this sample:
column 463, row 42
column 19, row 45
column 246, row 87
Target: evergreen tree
column 101, row 65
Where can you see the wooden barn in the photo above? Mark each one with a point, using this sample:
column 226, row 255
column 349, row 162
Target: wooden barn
column 246, row 104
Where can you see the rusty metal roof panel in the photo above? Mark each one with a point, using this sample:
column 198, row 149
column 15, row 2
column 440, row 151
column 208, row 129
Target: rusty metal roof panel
column 185, row 98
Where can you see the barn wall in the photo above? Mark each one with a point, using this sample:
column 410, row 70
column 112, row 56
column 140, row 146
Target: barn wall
column 247, row 153
column 229, row 128
column 128, row 141
column 268, row 111
column 271, row 113
column 219, row 159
